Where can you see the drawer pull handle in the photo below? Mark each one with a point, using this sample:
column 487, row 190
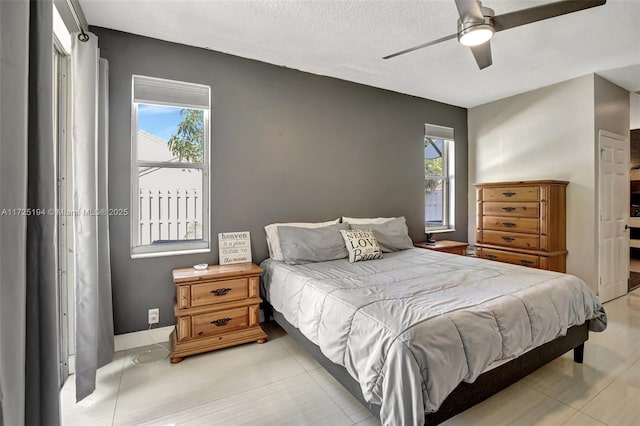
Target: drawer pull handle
column 508, row 209
column 508, row 224
column 492, row 256
column 220, row 291
column 508, row 194
column 508, row 239
column 526, row 262
column 221, row 322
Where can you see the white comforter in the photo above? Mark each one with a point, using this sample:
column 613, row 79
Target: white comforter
column 410, row 327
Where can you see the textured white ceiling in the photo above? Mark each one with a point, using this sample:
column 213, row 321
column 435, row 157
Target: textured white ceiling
column 347, row 39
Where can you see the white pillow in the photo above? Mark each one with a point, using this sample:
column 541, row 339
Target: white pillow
column 365, row 220
column 361, row 245
column 273, row 239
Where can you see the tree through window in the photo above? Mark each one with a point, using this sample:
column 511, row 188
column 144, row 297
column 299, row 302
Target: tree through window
column 438, row 177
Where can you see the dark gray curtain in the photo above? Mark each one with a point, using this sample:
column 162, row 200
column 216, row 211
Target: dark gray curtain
column 94, row 314
column 14, row 69
column 42, row 350
column 30, row 384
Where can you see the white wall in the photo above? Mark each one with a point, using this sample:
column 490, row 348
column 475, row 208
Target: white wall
column 634, row 114
column 543, row 134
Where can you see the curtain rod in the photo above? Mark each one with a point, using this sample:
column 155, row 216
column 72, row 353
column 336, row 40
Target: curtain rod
column 84, row 37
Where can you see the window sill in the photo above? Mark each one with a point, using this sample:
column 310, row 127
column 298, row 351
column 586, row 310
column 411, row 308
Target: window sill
column 169, row 253
column 438, row 231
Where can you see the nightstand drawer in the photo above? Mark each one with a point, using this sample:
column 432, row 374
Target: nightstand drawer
column 511, row 239
column 511, row 209
column 219, row 291
column 509, row 257
column 220, row 322
column 522, row 193
column 517, row 224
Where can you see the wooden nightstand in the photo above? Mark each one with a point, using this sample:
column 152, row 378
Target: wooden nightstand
column 453, row 247
column 215, row 308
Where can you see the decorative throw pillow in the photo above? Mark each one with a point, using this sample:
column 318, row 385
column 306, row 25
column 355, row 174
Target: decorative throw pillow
column 361, row 245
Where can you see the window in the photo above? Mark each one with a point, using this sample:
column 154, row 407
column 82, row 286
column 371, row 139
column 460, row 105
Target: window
column 170, row 167
column 64, row 195
column 439, row 183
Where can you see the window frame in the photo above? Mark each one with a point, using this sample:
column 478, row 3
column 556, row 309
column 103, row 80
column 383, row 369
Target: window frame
column 61, row 57
column 448, row 177
column 178, row 247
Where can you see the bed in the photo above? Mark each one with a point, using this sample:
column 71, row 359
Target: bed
column 419, row 336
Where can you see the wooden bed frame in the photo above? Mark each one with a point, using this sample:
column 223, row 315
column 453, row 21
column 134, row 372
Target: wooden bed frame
column 465, row 395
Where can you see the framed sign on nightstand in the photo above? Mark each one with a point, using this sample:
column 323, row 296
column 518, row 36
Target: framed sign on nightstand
column 234, row 247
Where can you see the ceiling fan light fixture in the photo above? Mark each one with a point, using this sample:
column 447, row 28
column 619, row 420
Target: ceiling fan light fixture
column 476, row 35
column 477, row 24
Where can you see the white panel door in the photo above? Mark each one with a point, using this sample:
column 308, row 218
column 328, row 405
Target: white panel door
column 613, row 195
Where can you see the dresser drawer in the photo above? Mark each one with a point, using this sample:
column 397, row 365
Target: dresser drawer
column 511, row 239
column 522, row 193
column 516, row 224
column 220, row 322
column 219, row 291
column 509, row 257
column 511, row 209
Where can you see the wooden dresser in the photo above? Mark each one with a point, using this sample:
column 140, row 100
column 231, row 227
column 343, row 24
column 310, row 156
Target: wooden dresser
column 523, row 223
column 215, row 308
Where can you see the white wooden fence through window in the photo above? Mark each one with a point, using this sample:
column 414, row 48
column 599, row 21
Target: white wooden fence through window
column 433, row 206
column 169, row 215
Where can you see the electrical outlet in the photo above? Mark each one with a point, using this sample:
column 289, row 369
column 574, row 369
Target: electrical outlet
column 154, row 316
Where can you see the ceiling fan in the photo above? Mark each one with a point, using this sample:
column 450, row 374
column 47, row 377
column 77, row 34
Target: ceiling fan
column 477, row 24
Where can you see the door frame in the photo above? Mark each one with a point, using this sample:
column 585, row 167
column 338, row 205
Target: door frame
column 625, row 140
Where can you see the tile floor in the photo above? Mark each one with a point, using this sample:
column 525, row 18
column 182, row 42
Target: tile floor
column 279, row 384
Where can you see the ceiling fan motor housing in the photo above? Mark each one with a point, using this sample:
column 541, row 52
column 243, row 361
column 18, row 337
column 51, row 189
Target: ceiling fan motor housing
column 470, row 24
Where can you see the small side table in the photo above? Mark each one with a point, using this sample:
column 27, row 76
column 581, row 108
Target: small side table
column 453, row 247
column 215, row 308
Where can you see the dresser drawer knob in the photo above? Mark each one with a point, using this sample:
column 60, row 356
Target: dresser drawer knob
column 492, row 256
column 508, row 209
column 508, row 224
column 220, row 322
column 508, row 194
column 508, row 239
column 526, row 262
column 220, row 291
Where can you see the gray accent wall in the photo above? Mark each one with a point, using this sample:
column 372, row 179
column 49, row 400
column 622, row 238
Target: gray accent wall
column 286, row 146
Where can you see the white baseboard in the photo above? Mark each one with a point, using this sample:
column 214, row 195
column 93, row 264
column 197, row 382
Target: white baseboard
column 72, row 364
column 137, row 339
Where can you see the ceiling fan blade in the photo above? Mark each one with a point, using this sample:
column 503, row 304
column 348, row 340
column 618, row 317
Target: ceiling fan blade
column 482, row 54
column 420, row 46
column 469, row 10
column 538, row 13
